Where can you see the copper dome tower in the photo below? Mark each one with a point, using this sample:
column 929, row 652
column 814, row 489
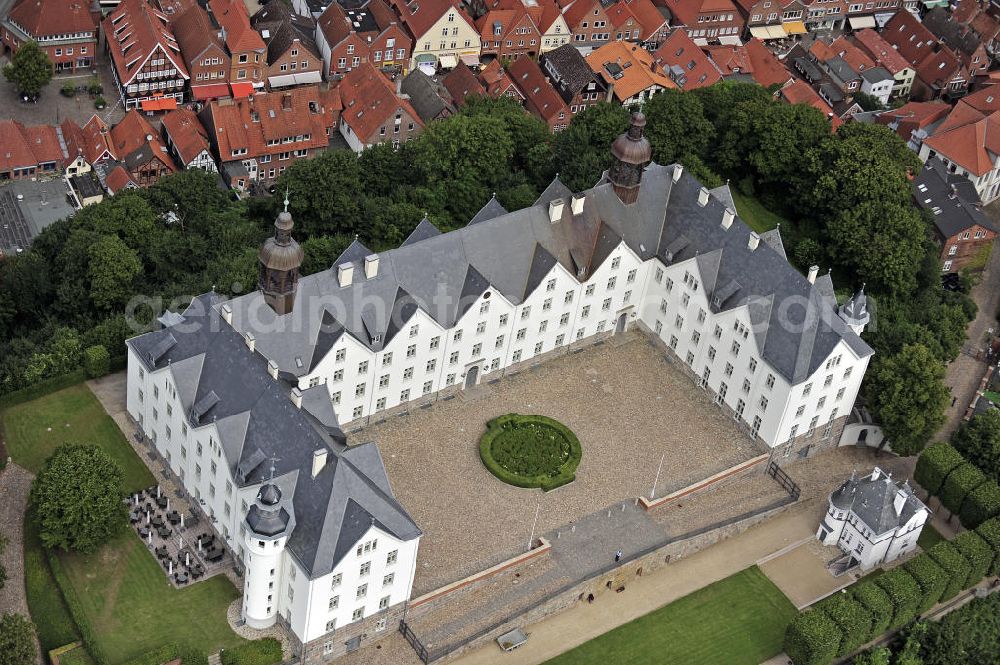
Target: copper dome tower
column 631, row 152
column 280, row 258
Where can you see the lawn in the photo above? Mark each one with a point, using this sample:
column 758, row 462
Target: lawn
column 136, row 610
column 35, row 429
column 756, row 216
column 123, row 592
column 992, row 396
column 738, row 620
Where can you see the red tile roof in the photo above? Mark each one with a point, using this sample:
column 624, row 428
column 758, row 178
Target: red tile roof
column 497, row 82
column 800, row 92
column 195, row 35
column 27, row 146
column 240, row 36
column 508, row 19
column 540, row 97
column 912, row 116
column 74, row 139
column 767, row 69
column 419, row 16
column 985, row 100
column 969, row 138
column 134, row 133
column 134, row 31
column 186, row 133
column 643, row 12
column 879, row 49
column 118, row 180
column 678, row 50
column 909, row 36
column 638, row 72
column 460, row 82
column 686, row 12
column 41, row 18
column 97, row 141
column 852, row 55
column 368, row 101
column 939, row 68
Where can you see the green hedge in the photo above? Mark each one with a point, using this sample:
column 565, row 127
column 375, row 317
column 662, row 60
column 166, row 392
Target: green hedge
column 96, row 361
column 930, row 577
column 954, row 565
column 547, row 482
column 934, row 465
column 75, row 609
column 990, row 532
column 962, row 480
column 977, row 552
column 904, row 594
column 812, row 638
column 266, row 651
column 980, row 505
column 42, row 388
column 877, row 602
column 852, row 618
column 168, row 653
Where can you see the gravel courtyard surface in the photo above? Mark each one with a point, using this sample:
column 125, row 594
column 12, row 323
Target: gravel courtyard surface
column 628, row 407
column 15, row 485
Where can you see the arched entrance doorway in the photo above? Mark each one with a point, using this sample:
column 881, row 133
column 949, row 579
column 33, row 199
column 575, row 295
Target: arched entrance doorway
column 622, row 321
column 472, row 376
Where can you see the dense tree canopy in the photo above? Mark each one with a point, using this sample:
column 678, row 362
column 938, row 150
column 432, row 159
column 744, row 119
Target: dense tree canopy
column 29, row 70
column 17, row 640
column 77, row 498
column 979, row 442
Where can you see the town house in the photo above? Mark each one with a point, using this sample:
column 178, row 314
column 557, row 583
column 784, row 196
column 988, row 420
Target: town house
column 540, row 98
column 443, row 33
column 373, row 33
column 578, row 85
column 373, row 112
column 65, row 31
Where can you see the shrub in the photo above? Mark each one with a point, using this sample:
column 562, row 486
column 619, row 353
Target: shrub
column 530, row 451
column 962, row 480
column 812, row 638
column 100, row 103
column 980, row 505
column 266, row 651
column 17, row 640
column 95, row 87
column 852, row 618
column 68, row 90
column 876, row 656
column 903, row 592
column 968, row 635
column 954, row 565
column 934, row 465
column 96, row 361
column 977, row 552
column 990, row 532
column 878, row 604
column 931, row 578
column 169, row 652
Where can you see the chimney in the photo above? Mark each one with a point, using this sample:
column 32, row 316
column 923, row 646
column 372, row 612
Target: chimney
column 227, row 313
column 678, row 172
column 296, row 396
column 286, row 101
column 272, row 369
column 703, row 197
column 577, row 203
column 556, row 210
column 345, row 273
column 727, row 218
column 371, row 266
column 319, row 461
column 754, row 240
column 251, row 341
column 813, row 271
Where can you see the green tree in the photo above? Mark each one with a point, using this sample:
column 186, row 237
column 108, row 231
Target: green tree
column 979, row 442
column 462, row 148
column 853, row 619
column 970, row 635
column 934, row 465
column 96, row 361
column 580, row 153
column 325, row 194
column 878, row 604
column 812, row 638
column 904, row 592
column 676, row 126
column 908, row 396
column 868, row 102
column 959, row 483
column 17, row 640
column 980, row 505
column 990, row 532
column 29, row 70
column 113, row 269
column 977, row 552
column 877, row 656
column 931, row 579
column 954, row 565
column 77, row 498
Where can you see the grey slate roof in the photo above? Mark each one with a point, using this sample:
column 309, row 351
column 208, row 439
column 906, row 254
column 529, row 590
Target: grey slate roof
column 445, row 273
column 425, row 229
column 42, row 203
column 429, row 98
column 954, row 206
column 872, row 498
column 493, row 208
column 876, row 74
column 257, row 421
column 569, row 71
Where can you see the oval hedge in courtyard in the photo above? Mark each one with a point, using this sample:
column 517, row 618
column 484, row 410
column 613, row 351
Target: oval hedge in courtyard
column 530, row 451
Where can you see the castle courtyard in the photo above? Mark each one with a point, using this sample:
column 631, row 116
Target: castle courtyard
column 626, row 403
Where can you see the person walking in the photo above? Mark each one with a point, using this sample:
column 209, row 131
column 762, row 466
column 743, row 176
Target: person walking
column 618, row 556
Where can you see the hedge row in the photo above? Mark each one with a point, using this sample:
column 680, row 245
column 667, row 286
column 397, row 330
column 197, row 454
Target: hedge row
column 962, row 488
column 266, row 651
column 75, row 609
column 169, row 652
column 567, row 473
column 838, row 625
column 42, row 388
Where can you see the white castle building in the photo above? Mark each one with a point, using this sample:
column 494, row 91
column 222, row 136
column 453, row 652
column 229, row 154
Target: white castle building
column 873, row 520
column 279, row 374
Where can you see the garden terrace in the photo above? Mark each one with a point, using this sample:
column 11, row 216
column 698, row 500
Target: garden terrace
column 626, row 405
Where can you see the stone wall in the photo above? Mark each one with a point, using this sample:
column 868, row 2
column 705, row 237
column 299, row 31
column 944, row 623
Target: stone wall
column 334, row 645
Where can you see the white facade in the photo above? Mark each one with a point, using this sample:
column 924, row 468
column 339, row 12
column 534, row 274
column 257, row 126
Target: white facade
column 450, row 37
column 857, row 504
column 881, row 89
column 494, row 333
column 987, row 185
column 311, row 607
column 555, row 35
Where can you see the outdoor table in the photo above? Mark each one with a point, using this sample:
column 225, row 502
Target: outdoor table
column 161, row 551
column 157, row 520
column 133, row 517
column 164, row 532
column 143, row 531
column 181, row 578
column 162, row 501
column 173, row 517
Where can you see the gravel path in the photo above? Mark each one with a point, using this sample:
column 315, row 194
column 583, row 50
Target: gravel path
column 15, row 484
